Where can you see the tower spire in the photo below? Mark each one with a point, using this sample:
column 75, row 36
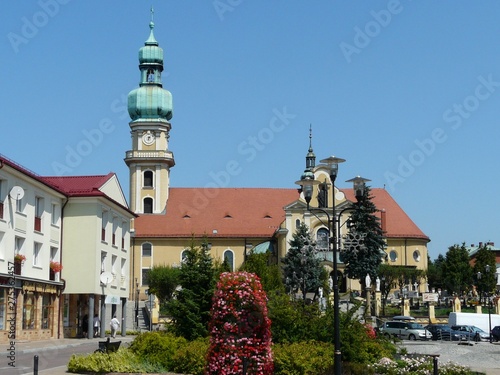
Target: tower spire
column 311, row 157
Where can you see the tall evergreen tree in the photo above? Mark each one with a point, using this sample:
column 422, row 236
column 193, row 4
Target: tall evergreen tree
column 435, row 272
column 457, row 272
column 485, row 258
column 366, row 257
column 301, row 268
column 190, row 309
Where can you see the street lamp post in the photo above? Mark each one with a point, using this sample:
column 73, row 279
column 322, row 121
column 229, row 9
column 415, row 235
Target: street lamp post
column 307, row 183
column 137, row 305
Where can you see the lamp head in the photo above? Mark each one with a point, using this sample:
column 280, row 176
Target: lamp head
column 359, row 185
column 333, row 164
column 307, row 183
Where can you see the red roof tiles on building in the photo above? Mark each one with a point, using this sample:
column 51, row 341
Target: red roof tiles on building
column 248, row 212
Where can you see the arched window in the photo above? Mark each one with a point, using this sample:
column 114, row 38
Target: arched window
column 146, row 249
column 393, row 256
column 229, row 259
column 322, row 239
column 148, row 205
column 297, row 223
column 148, row 179
column 183, row 255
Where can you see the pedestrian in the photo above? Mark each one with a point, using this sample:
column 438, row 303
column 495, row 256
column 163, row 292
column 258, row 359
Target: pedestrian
column 114, row 324
column 85, row 325
column 97, row 323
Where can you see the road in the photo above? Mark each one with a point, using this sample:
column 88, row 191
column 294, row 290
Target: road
column 48, row 358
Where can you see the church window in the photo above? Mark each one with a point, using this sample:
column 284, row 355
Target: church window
column 416, row 256
column 297, row 223
column 146, row 249
column 184, row 255
column 148, row 179
column 229, row 259
column 393, row 256
column 148, row 205
column 322, row 239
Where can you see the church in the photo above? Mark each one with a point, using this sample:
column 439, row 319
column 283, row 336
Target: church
column 233, row 221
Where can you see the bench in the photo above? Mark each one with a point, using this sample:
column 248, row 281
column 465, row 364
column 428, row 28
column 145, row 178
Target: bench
column 108, row 346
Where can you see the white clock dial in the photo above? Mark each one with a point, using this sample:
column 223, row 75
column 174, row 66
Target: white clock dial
column 148, row 138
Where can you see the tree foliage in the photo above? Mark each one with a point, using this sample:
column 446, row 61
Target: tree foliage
column 163, row 281
column 190, row 309
column 435, row 272
column 457, row 272
column 269, row 274
column 365, row 259
column 485, row 266
column 301, row 268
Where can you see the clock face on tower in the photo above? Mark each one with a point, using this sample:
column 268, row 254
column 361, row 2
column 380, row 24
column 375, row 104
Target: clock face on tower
column 148, row 138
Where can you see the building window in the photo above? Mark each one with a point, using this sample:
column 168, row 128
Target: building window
column 103, row 261
column 38, row 213
column 29, row 311
column 18, row 245
column 19, row 205
column 145, row 273
column 393, row 256
column 416, row 256
column 36, row 253
column 322, row 239
column 184, row 255
column 113, row 235
column 103, row 226
column 148, row 205
column 297, row 223
column 55, row 214
column 146, row 249
column 47, row 311
column 148, row 179
column 2, row 196
column 54, row 254
column 229, row 259
column 3, row 309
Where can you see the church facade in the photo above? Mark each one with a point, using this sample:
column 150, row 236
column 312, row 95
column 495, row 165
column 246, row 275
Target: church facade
column 232, row 221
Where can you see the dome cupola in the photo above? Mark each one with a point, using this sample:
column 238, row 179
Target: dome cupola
column 150, row 101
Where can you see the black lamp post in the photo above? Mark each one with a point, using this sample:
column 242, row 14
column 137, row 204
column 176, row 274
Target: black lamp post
column 137, row 304
column 307, row 184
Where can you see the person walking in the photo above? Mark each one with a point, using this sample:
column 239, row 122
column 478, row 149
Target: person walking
column 97, row 323
column 114, row 324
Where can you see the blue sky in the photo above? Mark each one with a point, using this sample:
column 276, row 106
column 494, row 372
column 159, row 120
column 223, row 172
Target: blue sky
column 407, row 92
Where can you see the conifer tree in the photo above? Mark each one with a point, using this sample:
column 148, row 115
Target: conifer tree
column 457, row 271
column 302, row 269
column 366, row 256
column 190, row 309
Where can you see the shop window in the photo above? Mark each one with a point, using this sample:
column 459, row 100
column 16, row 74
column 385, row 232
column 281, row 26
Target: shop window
column 29, row 311
column 47, row 311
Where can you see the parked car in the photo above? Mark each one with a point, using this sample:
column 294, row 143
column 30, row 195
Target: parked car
column 473, row 332
column 495, row 333
column 404, row 318
column 405, row 330
column 445, row 333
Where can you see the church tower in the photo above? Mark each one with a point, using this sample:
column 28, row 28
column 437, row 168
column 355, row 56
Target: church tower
column 150, row 110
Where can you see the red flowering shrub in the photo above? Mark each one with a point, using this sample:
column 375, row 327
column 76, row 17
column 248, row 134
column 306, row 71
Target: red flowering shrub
column 240, row 330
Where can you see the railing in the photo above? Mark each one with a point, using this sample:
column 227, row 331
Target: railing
column 149, row 154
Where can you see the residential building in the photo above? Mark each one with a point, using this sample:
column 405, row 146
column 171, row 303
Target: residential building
column 30, row 241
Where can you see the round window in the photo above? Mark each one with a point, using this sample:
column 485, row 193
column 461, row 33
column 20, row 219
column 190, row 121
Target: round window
column 416, row 255
column 393, row 256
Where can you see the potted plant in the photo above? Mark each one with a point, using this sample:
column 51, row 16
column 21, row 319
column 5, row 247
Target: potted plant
column 55, row 266
column 19, row 258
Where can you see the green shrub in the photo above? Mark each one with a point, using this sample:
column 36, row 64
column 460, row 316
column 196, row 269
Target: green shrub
column 121, row 361
column 304, row 358
column 157, row 347
column 191, row 358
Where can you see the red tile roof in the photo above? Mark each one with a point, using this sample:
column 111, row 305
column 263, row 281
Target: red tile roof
column 231, row 212
column 79, row 185
column 248, row 212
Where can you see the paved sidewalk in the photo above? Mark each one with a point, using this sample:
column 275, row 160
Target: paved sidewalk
column 481, row 357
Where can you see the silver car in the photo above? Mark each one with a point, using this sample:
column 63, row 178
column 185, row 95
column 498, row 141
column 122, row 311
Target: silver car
column 405, row 330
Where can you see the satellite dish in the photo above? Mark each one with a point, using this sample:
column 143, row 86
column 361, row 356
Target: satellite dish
column 17, row 192
column 106, row 277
